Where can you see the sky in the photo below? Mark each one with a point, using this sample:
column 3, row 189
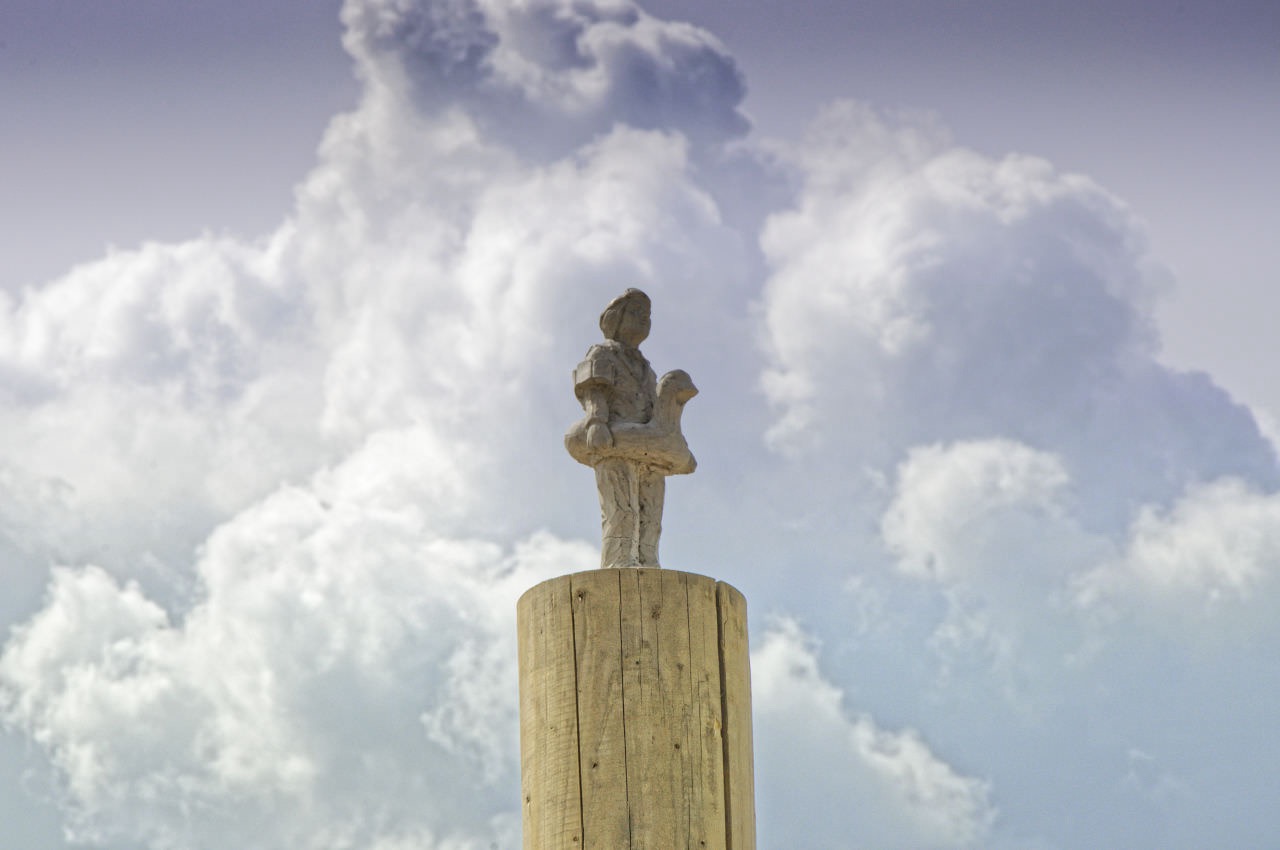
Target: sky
column 976, row 295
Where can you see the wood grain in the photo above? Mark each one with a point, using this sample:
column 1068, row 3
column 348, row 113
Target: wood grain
column 739, row 767
column 602, row 750
column 635, row 713
column 552, row 810
column 704, row 665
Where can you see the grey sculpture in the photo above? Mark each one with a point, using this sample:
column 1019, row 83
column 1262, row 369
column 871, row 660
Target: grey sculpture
column 630, row 433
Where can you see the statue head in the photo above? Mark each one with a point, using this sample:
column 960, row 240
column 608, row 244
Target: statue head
column 627, row 318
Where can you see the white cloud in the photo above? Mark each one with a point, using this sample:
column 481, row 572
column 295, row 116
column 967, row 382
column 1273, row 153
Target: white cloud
column 314, row 471
column 1096, row 653
column 342, row 418
column 989, row 524
column 369, row 309
column 1026, row 588
column 953, row 503
column 128, row 363
column 874, row 787
column 1221, row 539
column 920, row 292
column 1214, row 554
column 348, row 676
column 547, row 75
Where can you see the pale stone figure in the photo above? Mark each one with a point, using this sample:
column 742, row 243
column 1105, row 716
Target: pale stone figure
column 630, row 433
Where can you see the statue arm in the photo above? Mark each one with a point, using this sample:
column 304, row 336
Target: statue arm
column 595, row 401
column 592, row 382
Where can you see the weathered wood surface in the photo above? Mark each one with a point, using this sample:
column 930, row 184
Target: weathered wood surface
column 552, row 807
column 707, row 720
column 602, row 751
column 740, row 772
column 653, row 749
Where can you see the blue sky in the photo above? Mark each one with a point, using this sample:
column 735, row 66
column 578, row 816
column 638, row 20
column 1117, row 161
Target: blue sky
column 977, row 296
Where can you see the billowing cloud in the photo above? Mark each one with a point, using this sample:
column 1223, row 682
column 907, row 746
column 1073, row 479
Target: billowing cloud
column 547, row 75
column 922, row 293
column 1213, row 555
column 124, row 365
column 1039, row 624
column 878, row 788
column 346, row 678
column 294, row 485
column 954, row 499
column 303, row 468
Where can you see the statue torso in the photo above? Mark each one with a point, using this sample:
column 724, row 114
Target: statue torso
column 631, row 381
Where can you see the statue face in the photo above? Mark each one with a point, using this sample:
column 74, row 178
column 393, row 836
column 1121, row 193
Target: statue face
column 635, row 325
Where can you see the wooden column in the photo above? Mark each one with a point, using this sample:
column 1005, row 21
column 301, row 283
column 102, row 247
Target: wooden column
column 635, row 713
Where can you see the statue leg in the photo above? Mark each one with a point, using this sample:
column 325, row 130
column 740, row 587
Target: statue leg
column 652, row 487
column 616, row 479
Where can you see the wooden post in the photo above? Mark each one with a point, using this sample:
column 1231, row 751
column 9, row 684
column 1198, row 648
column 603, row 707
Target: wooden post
column 635, row 713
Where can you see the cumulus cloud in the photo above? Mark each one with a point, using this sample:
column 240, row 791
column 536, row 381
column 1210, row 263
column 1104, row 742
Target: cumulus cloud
column 297, row 483
column 302, row 469
column 955, row 498
column 549, row 74
column 347, row 677
column 349, row 653
column 988, row 524
column 127, row 363
column 1041, row 625
column 368, row 308
column 921, row 292
column 1214, row 554
column 876, row 787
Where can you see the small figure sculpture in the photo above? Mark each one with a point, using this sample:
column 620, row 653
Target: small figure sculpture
column 630, row 432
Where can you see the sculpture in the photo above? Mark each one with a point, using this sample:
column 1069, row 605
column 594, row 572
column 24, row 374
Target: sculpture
column 629, row 433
